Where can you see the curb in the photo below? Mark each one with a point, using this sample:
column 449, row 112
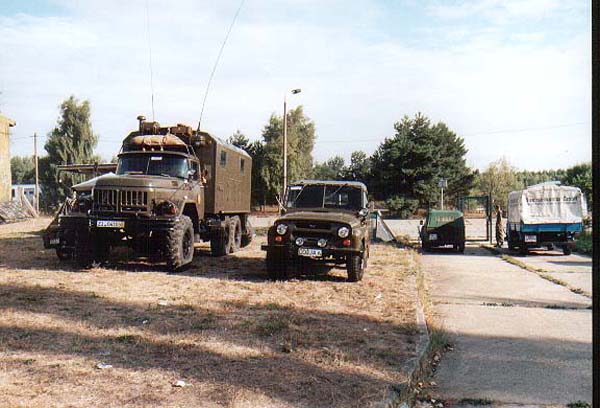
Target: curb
column 402, row 394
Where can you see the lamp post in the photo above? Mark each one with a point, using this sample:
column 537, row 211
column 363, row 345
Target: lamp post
column 294, row 91
column 443, row 183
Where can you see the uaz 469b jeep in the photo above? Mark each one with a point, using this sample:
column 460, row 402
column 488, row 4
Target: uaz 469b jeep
column 322, row 221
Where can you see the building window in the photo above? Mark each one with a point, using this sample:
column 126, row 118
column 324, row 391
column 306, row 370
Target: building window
column 242, row 163
column 223, row 158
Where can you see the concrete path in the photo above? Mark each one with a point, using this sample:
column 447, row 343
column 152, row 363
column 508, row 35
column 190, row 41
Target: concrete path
column 574, row 269
column 518, row 338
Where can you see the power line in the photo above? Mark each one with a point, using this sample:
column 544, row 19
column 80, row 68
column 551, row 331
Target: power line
column 217, row 61
column 467, row 134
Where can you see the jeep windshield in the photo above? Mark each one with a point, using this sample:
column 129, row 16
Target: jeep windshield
column 166, row 165
column 325, row 196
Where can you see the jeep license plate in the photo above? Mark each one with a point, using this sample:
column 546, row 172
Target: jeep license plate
column 433, row 237
column 530, row 238
column 54, row 241
column 310, row 252
column 110, row 224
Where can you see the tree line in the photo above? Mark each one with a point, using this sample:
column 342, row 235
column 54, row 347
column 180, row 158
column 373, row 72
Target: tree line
column 403, row 172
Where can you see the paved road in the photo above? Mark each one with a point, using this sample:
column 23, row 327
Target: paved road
column 575, row 270
column 518, row 338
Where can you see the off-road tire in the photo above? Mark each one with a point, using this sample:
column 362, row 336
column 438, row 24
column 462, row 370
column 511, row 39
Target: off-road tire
column 248, row 234
column 567, row 250
column 100, row 250
column 425, row 247
column 550, row 247
column 277, row 266
column 523, row 250
column 220, row 243
column 461, row 248
column 355, row 265
column 179, row 243
column 83, row 255
column 511, row 245
column 236, row 234
column 64, row 254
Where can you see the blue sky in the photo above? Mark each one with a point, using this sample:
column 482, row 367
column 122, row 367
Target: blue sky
column 510, row 76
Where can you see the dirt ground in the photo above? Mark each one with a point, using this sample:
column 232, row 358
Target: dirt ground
column 235, row 338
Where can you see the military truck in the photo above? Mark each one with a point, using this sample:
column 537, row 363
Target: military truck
column 321, row 221
column 173, row 186
column 545, row 215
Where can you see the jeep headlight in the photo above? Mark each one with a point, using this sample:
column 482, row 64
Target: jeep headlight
column 343, row 232
column 281, row 229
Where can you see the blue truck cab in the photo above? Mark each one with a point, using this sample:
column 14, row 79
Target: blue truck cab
column 544, row 216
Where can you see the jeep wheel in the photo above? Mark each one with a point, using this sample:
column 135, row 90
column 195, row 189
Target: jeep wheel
column 355, row 264
column 179, row 243
column 236, row 234
column 277, row 267
column 566, row 250
column 220, row 243
column 461, row 248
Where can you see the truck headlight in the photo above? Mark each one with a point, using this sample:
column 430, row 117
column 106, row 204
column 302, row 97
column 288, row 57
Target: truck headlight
column 165, row 208
column 343, row 232
column 281, row 229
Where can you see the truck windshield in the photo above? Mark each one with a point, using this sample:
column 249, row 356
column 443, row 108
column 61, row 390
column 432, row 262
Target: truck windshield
column 154, row 165
column 324, row 196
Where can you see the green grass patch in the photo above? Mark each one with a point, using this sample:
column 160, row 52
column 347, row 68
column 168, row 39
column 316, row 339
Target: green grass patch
column 475, row 401
column 579, row 404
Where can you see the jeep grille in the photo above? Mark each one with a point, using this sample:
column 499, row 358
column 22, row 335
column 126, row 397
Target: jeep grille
column 120, row 200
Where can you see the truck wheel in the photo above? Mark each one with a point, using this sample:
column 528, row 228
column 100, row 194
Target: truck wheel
column 461, row 248
column 100, row 251
column 220, row 243
column 83, row 250
column 566, row 250
column 236, row 234
column 63, row 254
column 277, row 267
column 511, row 245
column 355, row 264
column 523, row 249
column 248, row 234
column 179, row 245
column 425, row 247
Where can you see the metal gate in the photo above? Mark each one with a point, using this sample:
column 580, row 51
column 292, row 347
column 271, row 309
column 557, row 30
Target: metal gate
column 477, row 211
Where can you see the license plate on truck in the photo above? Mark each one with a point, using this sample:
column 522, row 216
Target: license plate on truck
column 110, row 224
column 530, row 238
column 311, row 252
column 54, row 241
column 433, row 237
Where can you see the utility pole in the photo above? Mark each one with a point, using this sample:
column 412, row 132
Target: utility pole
column 37, row 175
column 294, row 91
column 284, row 146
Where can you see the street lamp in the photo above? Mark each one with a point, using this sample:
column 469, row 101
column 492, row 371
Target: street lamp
column 294, row 92
column 443, row 183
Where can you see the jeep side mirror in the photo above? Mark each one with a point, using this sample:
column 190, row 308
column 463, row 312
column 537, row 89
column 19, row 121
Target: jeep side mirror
column 191, row 174
column 363, row 212
column 421, row 222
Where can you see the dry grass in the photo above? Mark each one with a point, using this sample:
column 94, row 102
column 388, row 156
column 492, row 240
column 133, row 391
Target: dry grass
column 237, row 339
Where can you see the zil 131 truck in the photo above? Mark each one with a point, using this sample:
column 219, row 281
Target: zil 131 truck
column 172, row 187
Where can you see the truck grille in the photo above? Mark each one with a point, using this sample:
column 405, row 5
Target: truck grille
column 120, row 200
column 313, row 225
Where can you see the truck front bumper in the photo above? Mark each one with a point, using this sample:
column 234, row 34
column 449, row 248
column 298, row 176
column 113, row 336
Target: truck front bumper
column 291, row 251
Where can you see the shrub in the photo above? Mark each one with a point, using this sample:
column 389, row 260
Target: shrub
column 584, row 243
column 402, row 206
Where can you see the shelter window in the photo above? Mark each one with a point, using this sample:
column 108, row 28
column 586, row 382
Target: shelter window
column 223, row 158
column 242, row 164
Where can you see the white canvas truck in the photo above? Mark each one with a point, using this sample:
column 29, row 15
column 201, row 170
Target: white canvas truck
column 545, row 215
